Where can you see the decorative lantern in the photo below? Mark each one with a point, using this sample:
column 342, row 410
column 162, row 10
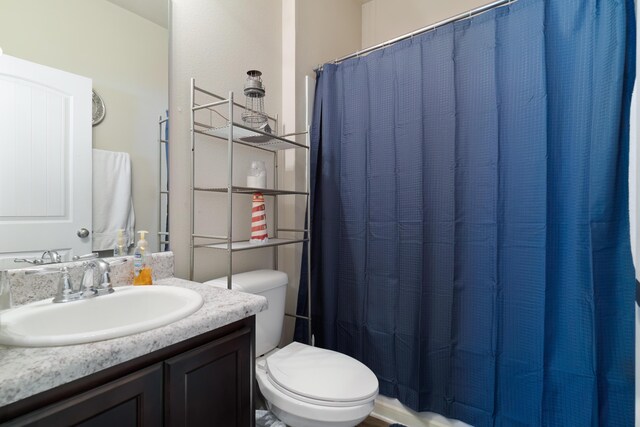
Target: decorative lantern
column 253, row 114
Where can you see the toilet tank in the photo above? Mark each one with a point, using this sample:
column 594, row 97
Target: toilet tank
column 272, row 285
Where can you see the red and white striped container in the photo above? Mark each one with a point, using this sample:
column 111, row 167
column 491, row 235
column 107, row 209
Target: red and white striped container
column 258, row 220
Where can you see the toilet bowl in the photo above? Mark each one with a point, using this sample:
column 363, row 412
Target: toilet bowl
column 304, row 386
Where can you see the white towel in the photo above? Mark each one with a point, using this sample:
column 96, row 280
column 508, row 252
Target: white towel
column 112, row 199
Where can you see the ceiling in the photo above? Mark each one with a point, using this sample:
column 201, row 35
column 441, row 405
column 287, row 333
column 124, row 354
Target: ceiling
column 157, row 10
column 154, row 10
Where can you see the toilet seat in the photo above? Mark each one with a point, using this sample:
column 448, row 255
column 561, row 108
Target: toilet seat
column 297, row 413
column 293, row 403
column 321, row 377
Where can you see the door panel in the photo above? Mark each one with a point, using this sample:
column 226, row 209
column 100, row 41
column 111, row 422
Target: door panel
column 45, row 155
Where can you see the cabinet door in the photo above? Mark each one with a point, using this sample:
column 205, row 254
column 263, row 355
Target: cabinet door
column 133, row 400
column 212, row 384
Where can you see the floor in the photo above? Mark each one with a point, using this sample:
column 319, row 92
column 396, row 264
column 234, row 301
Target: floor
column 373, row 422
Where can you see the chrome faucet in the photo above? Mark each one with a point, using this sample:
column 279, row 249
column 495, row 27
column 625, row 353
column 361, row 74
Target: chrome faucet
column 54, row 258
column 67, row 292
column 104, row 282
column 86, row 289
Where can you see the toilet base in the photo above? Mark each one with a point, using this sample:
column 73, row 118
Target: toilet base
column 298, row 421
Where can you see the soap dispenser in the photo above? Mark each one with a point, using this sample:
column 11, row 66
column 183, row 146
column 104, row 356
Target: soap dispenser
column 141, row 262
column 120, row 249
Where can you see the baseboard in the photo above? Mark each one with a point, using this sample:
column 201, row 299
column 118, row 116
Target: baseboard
column 392, row 411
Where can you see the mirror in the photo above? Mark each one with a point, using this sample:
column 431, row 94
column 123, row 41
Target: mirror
column 122, row 46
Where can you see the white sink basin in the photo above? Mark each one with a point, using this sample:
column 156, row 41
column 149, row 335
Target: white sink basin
column 127, row 311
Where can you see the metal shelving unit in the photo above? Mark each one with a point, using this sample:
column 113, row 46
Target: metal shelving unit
column 239, row 133
column 163, row 236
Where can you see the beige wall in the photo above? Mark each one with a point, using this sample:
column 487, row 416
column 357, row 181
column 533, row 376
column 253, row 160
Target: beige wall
column 216, row 42
column 326, row 30
column 313, row 32
column 385, row 19
column 127, row 58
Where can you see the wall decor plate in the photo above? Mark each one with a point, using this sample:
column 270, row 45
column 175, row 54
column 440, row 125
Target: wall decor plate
column 98, row 110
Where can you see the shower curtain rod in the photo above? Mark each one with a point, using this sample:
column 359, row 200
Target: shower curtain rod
column 458, row 17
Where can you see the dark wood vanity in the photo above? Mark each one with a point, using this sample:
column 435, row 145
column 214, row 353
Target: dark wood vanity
column 206, row 380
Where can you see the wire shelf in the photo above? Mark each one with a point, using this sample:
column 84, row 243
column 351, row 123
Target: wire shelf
column 252, row 137
column 251, row 190
column 246, row 245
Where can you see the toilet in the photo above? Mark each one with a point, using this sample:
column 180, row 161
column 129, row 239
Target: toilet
column 304, row 386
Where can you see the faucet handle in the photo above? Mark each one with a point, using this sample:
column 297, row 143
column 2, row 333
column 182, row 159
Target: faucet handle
column 87, row 289
column 65, row 288
column 85, row 256
column 34, row 261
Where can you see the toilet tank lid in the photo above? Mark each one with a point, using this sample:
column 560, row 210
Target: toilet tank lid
column 253, row 282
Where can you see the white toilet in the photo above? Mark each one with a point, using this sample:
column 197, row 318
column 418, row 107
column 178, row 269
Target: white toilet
column 304, row 386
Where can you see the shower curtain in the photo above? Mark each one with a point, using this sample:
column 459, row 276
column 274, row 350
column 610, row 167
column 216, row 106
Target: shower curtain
column 470, row 230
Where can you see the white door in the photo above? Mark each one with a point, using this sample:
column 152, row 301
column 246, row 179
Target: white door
column 45, row 161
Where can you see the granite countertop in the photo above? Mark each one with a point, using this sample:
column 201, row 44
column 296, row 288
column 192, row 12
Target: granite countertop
column 27, row 371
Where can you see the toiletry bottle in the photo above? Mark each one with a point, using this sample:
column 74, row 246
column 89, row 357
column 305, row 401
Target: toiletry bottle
column 119, row 249
column 141, row 264
column 257, row 176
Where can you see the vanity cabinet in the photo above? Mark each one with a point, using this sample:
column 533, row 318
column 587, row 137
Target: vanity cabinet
column 212, row 382
column 204, row 381
column 133, row 400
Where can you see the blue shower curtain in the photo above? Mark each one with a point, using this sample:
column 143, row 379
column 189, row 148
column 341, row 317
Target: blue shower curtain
column 470, row 216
